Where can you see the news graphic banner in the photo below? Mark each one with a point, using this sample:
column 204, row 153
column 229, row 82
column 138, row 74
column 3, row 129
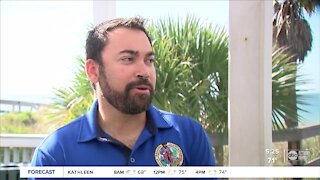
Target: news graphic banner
column 169, row 172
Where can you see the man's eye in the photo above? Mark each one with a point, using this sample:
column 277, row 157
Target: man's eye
column 127, row 59
column 151, row 61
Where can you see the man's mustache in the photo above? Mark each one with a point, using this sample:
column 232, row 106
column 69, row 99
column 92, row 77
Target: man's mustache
column 145, row 82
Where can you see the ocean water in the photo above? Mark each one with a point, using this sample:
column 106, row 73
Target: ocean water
column 312, row 116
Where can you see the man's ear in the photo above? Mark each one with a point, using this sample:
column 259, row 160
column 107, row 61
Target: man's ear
column 92, row 70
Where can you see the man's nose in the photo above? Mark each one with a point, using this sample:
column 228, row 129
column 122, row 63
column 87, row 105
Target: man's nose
column 143, row 71
column 143, row 76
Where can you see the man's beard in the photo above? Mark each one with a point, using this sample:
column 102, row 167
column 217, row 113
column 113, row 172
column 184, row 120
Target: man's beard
column 123, row 101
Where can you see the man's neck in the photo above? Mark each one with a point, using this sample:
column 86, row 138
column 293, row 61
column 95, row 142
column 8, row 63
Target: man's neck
column 126, row 128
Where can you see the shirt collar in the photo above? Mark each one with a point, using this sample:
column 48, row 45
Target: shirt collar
column 89, row 127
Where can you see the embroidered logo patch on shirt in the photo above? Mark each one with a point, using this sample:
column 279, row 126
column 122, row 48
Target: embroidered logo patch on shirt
column 168, row 154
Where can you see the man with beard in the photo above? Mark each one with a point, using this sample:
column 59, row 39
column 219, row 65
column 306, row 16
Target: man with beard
column 122, row 127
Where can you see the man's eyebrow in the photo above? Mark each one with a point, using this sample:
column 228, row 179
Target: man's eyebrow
column 151, row 53
column 132, row 52
column 128, row 52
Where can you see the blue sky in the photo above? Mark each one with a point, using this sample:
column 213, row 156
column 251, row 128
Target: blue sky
column 311, row 67
column 40, row 40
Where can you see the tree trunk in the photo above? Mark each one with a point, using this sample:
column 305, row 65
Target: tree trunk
column 292, row 122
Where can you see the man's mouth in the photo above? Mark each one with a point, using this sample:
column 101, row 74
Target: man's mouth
column 142, row 89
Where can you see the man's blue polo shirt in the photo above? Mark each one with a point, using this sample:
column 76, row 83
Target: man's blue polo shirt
column 83, row 143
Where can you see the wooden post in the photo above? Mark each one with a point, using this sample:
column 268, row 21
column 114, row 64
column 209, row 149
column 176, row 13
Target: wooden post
column 16, row 155
column 26, row 155
column 6, row 158
column 250, row 87
column 19, row 106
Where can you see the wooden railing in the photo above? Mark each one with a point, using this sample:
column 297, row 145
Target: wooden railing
column 277, row 136
column 17, row 148
column 218, row 139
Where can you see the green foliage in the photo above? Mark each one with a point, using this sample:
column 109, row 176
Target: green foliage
column 192, row 70
column 24, row 122
column 71, row 102
column 22, row 117
column 284, row 81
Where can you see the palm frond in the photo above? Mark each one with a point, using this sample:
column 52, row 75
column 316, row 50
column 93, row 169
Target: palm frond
column 192, row 70
column 290, row 28
column 284, row 90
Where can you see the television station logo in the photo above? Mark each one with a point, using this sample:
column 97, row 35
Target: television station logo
column 298, row 155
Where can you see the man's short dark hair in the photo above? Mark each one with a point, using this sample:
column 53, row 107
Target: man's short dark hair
column 98, row 37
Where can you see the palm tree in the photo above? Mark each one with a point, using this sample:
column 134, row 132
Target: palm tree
column 192, row 72
column 284, row 81
column 291, row 30
column 71, row 102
